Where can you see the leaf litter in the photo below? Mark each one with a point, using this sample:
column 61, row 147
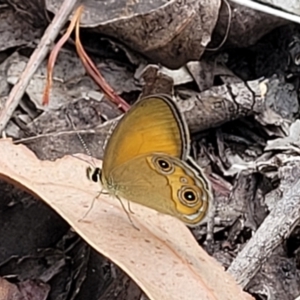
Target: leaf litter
column 241, row 104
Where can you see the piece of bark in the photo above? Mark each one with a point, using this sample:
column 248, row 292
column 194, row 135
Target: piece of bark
column 276, row 227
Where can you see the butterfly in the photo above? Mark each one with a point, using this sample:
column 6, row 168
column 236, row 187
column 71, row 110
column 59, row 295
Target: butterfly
column 146, row 161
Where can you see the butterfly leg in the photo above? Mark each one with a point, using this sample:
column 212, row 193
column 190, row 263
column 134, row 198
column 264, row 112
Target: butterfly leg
column 128, row 215
column 92, row 205
column 129, row 208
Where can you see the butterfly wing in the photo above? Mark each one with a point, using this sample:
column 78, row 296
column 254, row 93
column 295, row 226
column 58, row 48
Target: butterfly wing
column 164, row 183
column 153, row 124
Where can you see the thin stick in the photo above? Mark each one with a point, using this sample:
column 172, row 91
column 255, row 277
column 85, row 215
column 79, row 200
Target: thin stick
column 35, row 60
column 268, row 10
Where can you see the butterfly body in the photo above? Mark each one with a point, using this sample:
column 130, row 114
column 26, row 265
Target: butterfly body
column 146, row 161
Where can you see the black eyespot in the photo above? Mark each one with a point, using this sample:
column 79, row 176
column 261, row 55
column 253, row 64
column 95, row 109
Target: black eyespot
column 188, row 195
column 163, row 165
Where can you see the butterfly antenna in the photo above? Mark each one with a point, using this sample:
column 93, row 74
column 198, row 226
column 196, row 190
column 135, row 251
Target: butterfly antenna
column 110, row 131
column 128, row 215
column 79, row 136
column 88, row 152
column 83, row 143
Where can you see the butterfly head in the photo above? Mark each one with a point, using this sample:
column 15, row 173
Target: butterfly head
column 93, row 174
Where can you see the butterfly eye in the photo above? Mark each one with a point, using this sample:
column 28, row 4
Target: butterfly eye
column 163, row 165
column 188, row 196
column 93, row 174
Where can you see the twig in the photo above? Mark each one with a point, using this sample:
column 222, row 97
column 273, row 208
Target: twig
column 276, row 227
column 87, row 62
column 96, row 75
column 268, row 9
column 35, row 60
column 54, row 53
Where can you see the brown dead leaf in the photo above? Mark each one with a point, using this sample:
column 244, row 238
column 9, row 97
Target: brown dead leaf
column 15, row 31
column 26, row 290
column 9, row 290
column 69, row 79
column 32, row 12
column 247, row 25
column 289, row 143
column 68, row 69
column 162, row 257
column 33, row 290
column 168, row 32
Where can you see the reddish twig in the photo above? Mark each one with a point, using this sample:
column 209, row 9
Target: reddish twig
column 87, row 62
column 54, row 53
column 96, row 75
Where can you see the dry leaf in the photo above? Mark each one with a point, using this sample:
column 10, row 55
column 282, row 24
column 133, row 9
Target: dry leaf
column 9, row 290
column 169, row 32
column 68, row 68
column 15, row 31
column 162, row 257
column 247, row 26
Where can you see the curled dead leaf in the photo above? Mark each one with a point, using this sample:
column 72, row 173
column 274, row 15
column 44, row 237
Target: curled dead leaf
column 168, row 32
